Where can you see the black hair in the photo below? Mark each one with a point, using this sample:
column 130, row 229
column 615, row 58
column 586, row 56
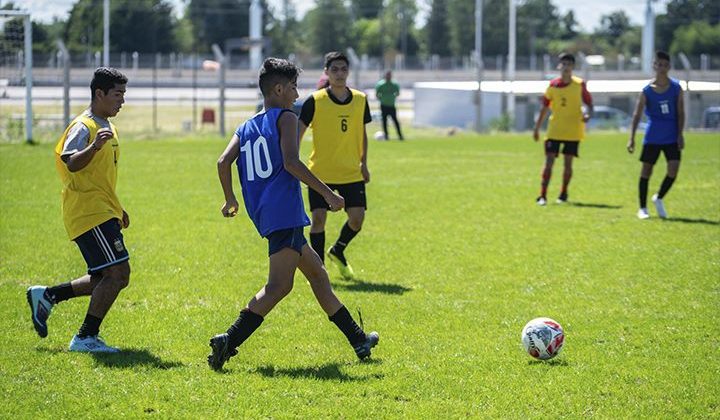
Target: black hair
column 106, row 78
column 567, row 56
column 333, row 56
column 662, row 55
column 274, row 71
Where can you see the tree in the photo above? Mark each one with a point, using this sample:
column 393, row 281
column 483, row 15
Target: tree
column 568, row 26
column 138, row 25
column 327, row 26
column 365, row 9
column 437, row 33
column 615, row 24
column 215, row 21
column 681, row 13
column 461, row 22
column 697, row 38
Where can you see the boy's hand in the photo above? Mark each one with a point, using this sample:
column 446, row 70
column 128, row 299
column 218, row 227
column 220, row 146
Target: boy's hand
column 230, row 208
column 586, row 117
column 631, row 145
column 102, row 136
column 335, row 201
column 681, row 142
column 536, row 134
column 125, row 220
column 365, row 173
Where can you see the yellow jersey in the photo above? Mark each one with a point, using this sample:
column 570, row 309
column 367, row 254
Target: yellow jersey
column 88, row 195
column 338, row 131
column 565, row 102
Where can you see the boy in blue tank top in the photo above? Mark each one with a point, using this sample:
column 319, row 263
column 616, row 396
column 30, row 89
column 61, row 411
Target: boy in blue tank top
column 662, row 100
column 266, row 149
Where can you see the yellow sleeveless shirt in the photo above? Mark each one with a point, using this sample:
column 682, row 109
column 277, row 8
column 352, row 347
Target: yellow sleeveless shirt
column 337, row 138
column 88, row 195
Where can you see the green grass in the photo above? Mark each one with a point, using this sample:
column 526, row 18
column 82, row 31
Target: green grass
column 454, row 258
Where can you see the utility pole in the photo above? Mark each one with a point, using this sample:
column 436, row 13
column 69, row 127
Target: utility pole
column 106, row 33
column 512, row 43
column 478, row 63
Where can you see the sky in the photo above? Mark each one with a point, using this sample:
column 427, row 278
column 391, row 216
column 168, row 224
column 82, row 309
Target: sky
column 587, row 12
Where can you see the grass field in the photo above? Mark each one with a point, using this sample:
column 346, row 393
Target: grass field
column 454, row 258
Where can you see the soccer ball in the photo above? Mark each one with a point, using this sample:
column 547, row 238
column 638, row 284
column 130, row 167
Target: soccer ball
column 379, row 135
column 543, row 338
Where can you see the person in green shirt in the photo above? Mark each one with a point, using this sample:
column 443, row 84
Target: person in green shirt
column 386, row 91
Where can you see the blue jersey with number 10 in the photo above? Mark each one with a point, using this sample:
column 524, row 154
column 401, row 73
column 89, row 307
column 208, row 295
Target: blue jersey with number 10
column 661, row 110
column 272, row 196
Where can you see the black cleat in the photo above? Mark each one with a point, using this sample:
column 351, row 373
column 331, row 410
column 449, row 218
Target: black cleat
column 221, row 352
column 363, row 350
column 563, row 198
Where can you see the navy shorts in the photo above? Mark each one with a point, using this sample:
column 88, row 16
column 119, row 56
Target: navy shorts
column 651, row 152
column 103, row 246
column 292, row 238
column 353, row 193
column 570, row 147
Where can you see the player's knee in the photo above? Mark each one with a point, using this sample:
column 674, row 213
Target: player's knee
column 280, row 289
column 119, row 275
column 356, row 223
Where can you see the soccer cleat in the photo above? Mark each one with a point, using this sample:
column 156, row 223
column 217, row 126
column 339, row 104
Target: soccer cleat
column 346, row 270
column 363, row 350
column 659, row 206
column 91, row 344
column 221, row 352
column 40, row 308
column 643, row 214
column 541, row 201
column 563, row 198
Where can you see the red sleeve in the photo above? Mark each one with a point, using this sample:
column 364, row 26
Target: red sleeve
column 586, row 97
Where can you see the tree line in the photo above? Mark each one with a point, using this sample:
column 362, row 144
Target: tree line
column 374, row 27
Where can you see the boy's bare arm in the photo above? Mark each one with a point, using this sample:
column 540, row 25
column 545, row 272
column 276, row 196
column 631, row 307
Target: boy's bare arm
column 681, row 120
column 538, row 123
column 288, row 125
column 639, row 107
column 224, row 165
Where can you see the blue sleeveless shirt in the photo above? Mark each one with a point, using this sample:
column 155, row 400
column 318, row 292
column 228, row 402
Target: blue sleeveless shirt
column 272, row 196
column 661, row 111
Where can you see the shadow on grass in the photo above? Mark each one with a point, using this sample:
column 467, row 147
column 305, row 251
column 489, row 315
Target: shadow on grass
column 687, row 220
column 326, row 372
column 551, row 362
column 129, row 358
column 594, row 205
column 359, row 285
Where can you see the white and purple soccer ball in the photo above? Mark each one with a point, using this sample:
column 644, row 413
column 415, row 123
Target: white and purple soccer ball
column 543, row 338
column 379, row 135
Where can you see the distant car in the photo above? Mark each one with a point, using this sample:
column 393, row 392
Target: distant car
column 609, row 118
column 711, row 118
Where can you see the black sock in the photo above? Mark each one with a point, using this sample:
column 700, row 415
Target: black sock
column 643, row 188
column 347, row 325
column 90, row 327
column 346, row 235
column 60, row 292
column 244, row 326
column 665, row 186
column 317, row 242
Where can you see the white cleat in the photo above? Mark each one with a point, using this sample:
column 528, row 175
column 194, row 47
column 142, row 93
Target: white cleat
column 659, row 206
column 40, row 308
column 91, row 344
column 541, row 201
column 643, row 214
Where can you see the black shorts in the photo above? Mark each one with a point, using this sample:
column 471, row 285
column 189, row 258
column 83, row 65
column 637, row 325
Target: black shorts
column 570, row 147
column 103, row 246
column 353, row 193
column 292, row 238
column 651, row 152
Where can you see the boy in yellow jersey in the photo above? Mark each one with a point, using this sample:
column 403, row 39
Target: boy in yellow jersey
column 337, row 116
column 564, row 97
column 86, row 158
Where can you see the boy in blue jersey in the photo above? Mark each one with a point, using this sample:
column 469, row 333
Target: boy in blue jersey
column 266, row 148
column 662, row 100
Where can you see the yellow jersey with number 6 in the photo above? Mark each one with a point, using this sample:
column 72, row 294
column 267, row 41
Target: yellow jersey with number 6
column 338, row 131
column 88, row 195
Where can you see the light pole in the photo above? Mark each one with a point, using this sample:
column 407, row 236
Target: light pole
column 478, row 63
